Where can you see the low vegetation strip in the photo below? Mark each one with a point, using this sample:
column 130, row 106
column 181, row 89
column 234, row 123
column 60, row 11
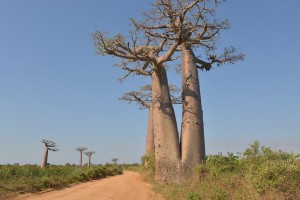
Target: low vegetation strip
column 28, row 179
column 257, row 173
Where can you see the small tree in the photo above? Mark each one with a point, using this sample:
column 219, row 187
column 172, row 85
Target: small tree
column 49, row 145
column 81, row 149
column 114, row 161
column 89, row 155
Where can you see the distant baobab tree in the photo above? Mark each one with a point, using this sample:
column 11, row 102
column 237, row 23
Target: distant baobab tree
column 89, row 155
column 114, row 161
column 80, row 149
column 50, row 145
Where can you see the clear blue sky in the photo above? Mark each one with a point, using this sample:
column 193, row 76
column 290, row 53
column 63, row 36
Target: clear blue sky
column 54, row 86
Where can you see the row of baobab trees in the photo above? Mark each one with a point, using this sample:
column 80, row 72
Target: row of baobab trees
column 172, row 30
column 52, row 146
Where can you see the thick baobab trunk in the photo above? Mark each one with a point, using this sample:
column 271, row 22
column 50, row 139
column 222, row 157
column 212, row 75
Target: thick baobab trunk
column 150, row 132
column 45, row 158
column 167, row 150
column 192, row 133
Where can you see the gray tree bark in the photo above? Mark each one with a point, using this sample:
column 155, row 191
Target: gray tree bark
column 167, row 151
column 192, row 132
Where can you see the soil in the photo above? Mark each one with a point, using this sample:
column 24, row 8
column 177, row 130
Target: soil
column 128, row 186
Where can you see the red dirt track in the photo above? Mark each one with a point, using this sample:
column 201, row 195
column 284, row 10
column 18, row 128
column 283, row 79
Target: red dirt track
column 128, row 186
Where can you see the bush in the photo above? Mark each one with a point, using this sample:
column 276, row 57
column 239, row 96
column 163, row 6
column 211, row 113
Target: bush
column 217, row 165
column 268, row 169
column 257, row 173
column 149, row 161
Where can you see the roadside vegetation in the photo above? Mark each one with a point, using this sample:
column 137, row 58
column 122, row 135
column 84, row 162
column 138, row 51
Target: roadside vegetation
column 257, row 173
column 16, row 180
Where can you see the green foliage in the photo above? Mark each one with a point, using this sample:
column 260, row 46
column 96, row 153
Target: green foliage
column 148, row 167
column 218, row 165
column 257, row 173
column 221, row 164
column 268, row 169
column 21, row 179
column 149, row 162
column 253, row 151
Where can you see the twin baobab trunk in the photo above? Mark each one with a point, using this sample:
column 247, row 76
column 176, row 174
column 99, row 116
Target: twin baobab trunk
column 175, row 162
column 167, row 152
column 45, row 158
column 192, row 128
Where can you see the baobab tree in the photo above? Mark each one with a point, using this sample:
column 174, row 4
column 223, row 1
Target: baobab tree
column 49, row 145
column 81, row 149
column 196, row 20
column 143, row 99
column 173, row 26
column 89, row 155
column 145, row 54
column 114, row 161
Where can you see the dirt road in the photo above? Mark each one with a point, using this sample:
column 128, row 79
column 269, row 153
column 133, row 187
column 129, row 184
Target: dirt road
column 128, row 186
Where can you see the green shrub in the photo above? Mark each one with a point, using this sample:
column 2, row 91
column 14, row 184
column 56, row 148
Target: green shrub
column 257, row 173
column 217, row 165
column 268, row 169
column 273, row 173
column 149, row 161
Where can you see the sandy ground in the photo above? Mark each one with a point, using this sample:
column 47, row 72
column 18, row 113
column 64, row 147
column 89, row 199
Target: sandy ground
column 128, row 186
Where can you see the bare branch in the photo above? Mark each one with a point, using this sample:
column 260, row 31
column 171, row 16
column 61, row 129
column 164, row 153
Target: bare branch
column 138, row 68
column 118, row 46
column 168, row 55
column 143, row 97
column 229, row 55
